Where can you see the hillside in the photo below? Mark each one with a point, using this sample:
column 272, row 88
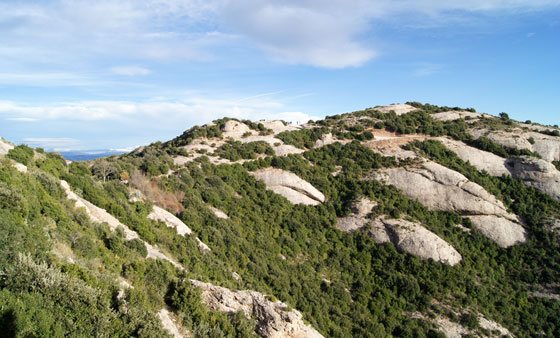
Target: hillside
column 408, row 220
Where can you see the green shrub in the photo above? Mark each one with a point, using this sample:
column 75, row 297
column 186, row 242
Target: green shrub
column 22, row 154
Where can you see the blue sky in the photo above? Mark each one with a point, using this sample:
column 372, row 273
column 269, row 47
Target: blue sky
column 121, row 73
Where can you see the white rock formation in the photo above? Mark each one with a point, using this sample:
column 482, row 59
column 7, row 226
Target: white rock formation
column 456, row 115
column 218, row 213
column 398, row 108
column 5, row 146
column 357, row 220
column 20, row 167
column 235, row 129
column 274, row 319
column 162, row 215
column 170, row 324
column 547, row 146
column 481, row 160
column 99, row 215
column 278, row 126
column 536, row 173
column 289, row 185
column 407, row 236
column 414, row 239
column 440, row 188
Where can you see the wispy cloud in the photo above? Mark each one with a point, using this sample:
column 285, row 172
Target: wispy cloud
column 53, row 143
column 195, row 109
column 131, row 71
column 329, row 33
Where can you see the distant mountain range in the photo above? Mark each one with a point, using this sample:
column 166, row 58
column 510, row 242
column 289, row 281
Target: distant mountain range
column 87, row 155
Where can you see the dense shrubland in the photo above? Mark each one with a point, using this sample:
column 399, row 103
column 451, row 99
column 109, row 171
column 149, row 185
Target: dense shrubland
column 344, row 283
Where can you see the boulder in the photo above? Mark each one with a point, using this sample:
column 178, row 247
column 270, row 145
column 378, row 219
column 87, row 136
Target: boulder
column 274, row 319
column 481, row 160
column 536, row 173
column 414, row 239
column 440, row 188
column 289, row 185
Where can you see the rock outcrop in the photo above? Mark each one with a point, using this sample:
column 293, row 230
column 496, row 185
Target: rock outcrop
column 170, row 324
column 273, row 319
column 398, row 108
column 453, row 115
column 5, row 147
column 407, row 236
column 289, row 185
column 480, row 159
column 162, row 215
column 547, row 146
column 440, row 188
column 536, row 173
column 414, row 239
column 99, row 215
column 358, row 219
column 218, row 213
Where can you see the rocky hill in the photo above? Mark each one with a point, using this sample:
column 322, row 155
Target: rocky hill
column 403, row 220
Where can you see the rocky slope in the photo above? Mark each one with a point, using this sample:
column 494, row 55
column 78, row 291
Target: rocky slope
column 441, row 188
column 289, row 185
column 274, row 319
column 202, row 250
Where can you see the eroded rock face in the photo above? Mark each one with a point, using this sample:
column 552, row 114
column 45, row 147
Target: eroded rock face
column 289, row 185
column 481, row 160
column 100, row 215
column 358, row 219
column 162, row 215
column 235, row 129
column 547, row 146
column 456, row 115
column 414, row 239
column 440, row 188
column 274, row 319
column 398, row 108
column 5, row 147
column 536, row 173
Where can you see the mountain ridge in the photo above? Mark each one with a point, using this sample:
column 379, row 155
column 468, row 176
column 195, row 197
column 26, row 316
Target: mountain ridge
column 436, row 272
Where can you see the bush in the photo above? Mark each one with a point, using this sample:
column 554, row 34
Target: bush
column 22, row 154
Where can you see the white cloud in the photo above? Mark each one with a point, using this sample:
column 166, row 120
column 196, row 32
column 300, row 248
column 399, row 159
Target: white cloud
column 63, row 143
column 131, row 71
column 189, row 110
column 322, row 33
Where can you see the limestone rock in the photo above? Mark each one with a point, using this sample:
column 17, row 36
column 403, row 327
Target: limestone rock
column 100, row 215
column 398, row 108
column 415, row 239
column 440, row 188
column 170, row 324
column 481, row 160
column 162, row 215
column 289, row 185
column 456, row 115
column 536, row 173
column 5, row 147
column 235, row 129
column 547, row 146
column 218, row 213
column 357, row 220
column 274, row 319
